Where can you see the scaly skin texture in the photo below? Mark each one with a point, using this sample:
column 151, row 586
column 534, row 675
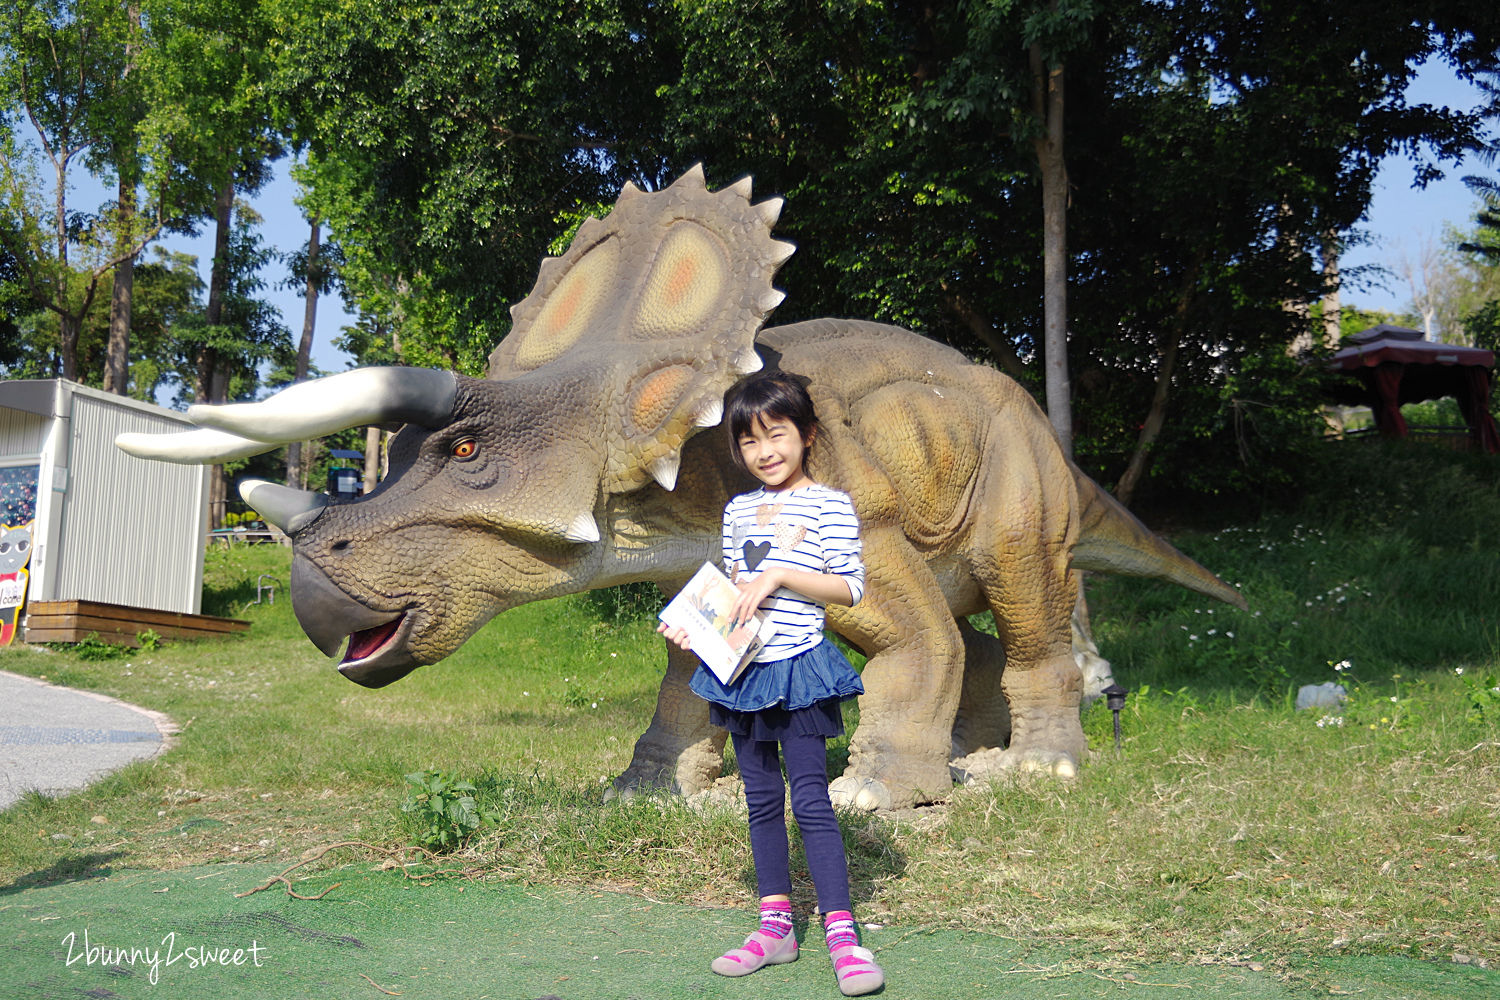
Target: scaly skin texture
column 966, row 504
column 580, row 463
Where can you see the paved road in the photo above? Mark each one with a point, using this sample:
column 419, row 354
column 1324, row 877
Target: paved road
column 55, row 740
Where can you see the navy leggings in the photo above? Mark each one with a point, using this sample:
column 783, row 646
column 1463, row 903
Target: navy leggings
column 807, row 771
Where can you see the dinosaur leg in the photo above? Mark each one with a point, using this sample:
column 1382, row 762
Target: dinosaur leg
column 1097, row 674
column 983, row 719
column 1021, row 562
column 898, row 756
column 680, row 750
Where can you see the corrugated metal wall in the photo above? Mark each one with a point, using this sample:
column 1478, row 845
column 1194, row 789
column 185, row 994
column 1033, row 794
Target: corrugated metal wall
column 132, row 531
column 22, row 434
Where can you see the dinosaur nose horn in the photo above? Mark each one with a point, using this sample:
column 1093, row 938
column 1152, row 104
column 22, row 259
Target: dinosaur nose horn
column 290, row 510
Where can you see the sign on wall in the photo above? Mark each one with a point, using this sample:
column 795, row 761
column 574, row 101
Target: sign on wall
column 15, row 552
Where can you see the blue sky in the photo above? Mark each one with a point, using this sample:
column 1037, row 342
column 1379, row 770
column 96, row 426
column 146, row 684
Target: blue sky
column 1401, row 216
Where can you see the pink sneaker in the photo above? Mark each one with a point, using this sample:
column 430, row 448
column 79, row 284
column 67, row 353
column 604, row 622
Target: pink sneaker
column 856, row 970
column 759, row 949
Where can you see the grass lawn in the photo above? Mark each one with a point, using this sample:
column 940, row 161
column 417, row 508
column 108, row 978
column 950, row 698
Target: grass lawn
column 1229, row 828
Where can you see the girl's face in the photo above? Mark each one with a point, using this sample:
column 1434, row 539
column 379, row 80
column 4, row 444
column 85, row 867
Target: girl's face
column 773, row 451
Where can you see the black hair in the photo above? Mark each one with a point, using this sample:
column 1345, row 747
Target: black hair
column 775, row 395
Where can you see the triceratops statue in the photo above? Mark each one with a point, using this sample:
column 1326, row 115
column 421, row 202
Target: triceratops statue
column 577, row 465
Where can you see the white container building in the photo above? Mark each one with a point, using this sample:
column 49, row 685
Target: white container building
column 108, row 527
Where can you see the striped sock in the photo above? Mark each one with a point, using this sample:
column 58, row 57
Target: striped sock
column 776, row 918
column 838, row 930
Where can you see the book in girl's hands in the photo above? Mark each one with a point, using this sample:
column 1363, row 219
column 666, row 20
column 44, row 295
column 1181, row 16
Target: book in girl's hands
column 702, row 608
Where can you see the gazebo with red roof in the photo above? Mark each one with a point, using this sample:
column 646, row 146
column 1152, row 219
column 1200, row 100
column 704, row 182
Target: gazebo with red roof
column 1396, row 365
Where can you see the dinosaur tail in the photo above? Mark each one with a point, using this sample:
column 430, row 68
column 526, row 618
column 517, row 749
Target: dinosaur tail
column 1111, row 540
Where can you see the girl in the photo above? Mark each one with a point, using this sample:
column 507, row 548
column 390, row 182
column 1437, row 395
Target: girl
column 792, row 547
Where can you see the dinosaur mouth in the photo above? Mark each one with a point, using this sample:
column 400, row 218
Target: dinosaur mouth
column 367, row 642
column 377, row 656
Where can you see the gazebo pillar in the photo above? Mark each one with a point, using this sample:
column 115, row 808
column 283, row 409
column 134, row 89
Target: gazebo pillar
column 1384, row 383
column 1474, row 403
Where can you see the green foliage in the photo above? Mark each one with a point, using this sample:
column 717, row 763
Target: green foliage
column 444, row 144
column 630, row 602
column 1377, row 564
column 1484, row 694
column 1433, row 413
column 1483, row 325
column 1238, row 433
column 61, row 77
column 148, row 640
column 1221, row 802
column 441, row 813
column 93, row 649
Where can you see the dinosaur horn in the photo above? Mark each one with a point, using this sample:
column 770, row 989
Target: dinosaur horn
column 290, row 510
column 199, row 447
column 422, row 396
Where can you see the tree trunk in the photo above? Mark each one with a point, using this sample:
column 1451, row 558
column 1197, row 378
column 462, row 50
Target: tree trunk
column 372, row 458
column 1047, row 103
column 1332, row 306
column 304, row 347
column 212, row 381
column 69, row 327
column 116, row 362
column 1156, row 416
column 208, row 358
column 218, row 279
column 983, row 331
column 117, row 355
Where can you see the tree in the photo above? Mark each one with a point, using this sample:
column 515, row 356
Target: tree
column 444, row 143
column 207, row 70
column 1477, row 260
column 126, row 160
column 313, row 270
column 1260, row 130
column 246, row 334
column 166, row 301
column 1216, row 157
column 61, row 63
column 1029, row 103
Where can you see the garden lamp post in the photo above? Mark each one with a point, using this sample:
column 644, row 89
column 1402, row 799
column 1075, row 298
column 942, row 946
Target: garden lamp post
column 1114, row 699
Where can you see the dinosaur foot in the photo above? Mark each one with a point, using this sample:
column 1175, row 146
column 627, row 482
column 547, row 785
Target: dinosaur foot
column 654, row 771
column 903, row 783
column 992, row 762
column 859, row 794
column 725, row 795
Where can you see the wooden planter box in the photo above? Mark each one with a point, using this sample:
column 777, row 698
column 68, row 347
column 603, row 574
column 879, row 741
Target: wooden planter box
column 74, row 621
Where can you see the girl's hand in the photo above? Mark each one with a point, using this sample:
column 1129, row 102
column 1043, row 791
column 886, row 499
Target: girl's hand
column 827, row 588
column 676, row 635
column 753, row 593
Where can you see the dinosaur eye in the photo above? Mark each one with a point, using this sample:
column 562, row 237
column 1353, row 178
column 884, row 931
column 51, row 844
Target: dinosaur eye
column 465, row 449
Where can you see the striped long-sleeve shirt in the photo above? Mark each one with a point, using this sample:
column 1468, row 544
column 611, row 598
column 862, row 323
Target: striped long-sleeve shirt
column 813, row 528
